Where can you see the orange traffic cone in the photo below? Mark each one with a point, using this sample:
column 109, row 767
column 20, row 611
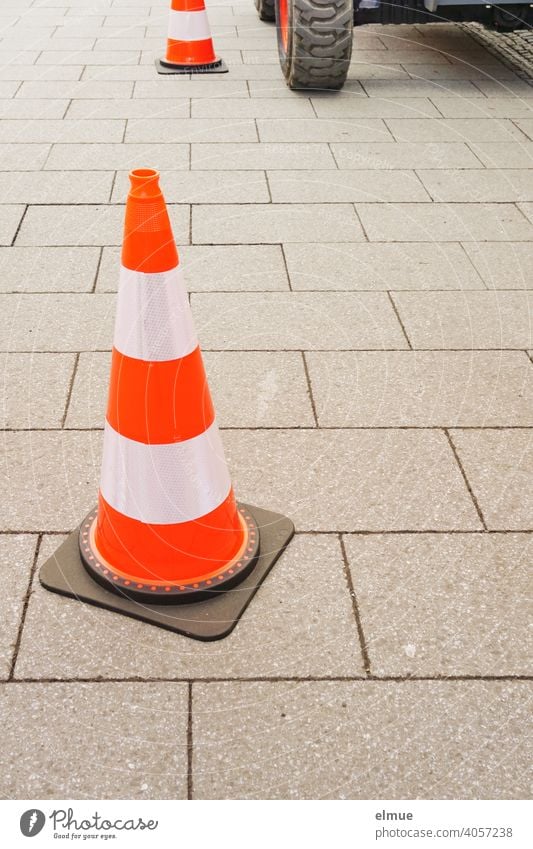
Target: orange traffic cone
column 189, row 46
column 167, row 528
column 167, row 525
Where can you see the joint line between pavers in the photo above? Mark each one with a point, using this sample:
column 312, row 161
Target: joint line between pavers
column 355, row 608
column 189, row 743
column 397, row 314
column 92, row 290
column 309, row 389
column 70, row 388
column 25, row 608
column 467, row 482
column 17, row 231
column 276, row 679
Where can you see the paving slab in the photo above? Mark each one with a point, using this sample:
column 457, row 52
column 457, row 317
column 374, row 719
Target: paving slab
column 130, row 109
column 505, row 88
column 422, row 388
column 480, row 320
column 300, row 624
column 85, row 225
column 421, row 88
column 95, row 57
column 316, row 186
column 361, row 740
column 23, row 157
column 404, row 155
column 499, row 465
column 57, row 321
column 322, row 130
column 453, row 129
column 35, row 389
column 300, row 107
column 15, row 74
column 188, row 87
column 458, row 71
column 249, row 389
column 339, row 105
column 275, row 223
column 380, row 266
column 45, row 757
column 341, row 480
column 55, row 187
column 493, row 107
column 34, row 109
column 187, row 130
column 345, row 477
column 87, row 89
column 498, row 155
column 503, row 265
column 16, row 560
column 88, row 157
column 506, row 185
column 296, row 321
column 48, row 269
column 464, row 222
column 443, row 604
column 212, row 268
column 52, row 478
column 61, row 131
column 273, row 155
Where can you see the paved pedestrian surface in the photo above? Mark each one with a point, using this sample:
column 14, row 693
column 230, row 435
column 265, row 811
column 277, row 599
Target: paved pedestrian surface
column 360, row 273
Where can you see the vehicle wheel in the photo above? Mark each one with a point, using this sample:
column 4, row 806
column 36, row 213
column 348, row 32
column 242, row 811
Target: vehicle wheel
column 314, row 42
column 266, row 10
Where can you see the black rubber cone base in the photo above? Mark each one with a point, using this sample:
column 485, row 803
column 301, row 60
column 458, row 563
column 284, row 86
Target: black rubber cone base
column 218, row 67
column 212, row 619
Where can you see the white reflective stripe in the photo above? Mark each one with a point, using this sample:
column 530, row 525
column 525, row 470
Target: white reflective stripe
column 188, row 26
column 164, row 484
column 154, row 320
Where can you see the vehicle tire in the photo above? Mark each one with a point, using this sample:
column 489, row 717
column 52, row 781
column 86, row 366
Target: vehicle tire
column 266, row 10
column 314, row 42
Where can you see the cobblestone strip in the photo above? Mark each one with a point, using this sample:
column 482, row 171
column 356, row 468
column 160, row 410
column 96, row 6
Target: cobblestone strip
column 514, row 49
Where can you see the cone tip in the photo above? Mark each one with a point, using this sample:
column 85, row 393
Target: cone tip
column 144, row 183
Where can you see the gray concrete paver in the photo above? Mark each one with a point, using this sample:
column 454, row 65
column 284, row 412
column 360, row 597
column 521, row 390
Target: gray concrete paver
column 362, row 740
column 438, row 604
column 137, row 751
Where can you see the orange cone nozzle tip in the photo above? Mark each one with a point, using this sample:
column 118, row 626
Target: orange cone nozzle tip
column 144, row 183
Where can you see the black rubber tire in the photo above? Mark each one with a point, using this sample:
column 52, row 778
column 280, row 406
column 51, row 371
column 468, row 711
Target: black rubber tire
column 266, row 10
column 319, row 43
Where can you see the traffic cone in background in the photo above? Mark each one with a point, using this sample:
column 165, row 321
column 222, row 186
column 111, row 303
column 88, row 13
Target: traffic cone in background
column 167, row 528
column 189, row 46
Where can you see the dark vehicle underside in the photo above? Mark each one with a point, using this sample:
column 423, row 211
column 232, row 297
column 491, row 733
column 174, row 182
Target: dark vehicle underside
column 315, row 36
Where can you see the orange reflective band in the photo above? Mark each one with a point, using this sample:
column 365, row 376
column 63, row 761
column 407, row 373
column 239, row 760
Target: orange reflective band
column 180, row 552
column 190, row 52
column 148, row 241
column 159, row 402
column 187, row 5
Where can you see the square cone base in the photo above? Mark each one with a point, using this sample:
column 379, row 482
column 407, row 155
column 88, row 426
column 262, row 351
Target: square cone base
column 212, row 619
column 218, row 67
